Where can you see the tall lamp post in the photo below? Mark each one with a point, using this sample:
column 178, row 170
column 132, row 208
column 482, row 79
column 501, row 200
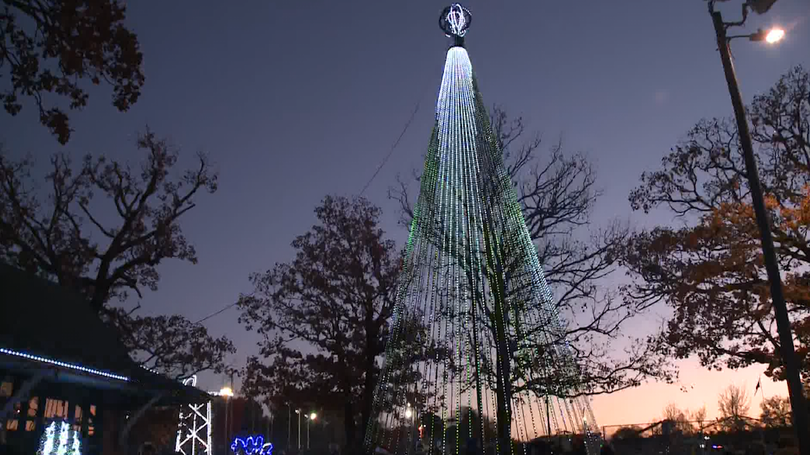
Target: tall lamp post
column 310, row 418
column 800, row 422
column 271, row 417
column 227, row 393
column 298, row 411
column 409, row 414
column 289, row 426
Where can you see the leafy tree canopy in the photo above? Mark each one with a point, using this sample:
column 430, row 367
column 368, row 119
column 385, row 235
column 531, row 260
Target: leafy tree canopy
column 709, row 267
column 47, row 47
column 324, row 317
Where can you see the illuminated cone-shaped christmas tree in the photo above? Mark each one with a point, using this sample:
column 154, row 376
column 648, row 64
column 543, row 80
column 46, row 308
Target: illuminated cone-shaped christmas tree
column 476, row 361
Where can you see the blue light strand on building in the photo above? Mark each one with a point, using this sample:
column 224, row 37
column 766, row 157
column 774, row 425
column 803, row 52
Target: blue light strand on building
column 63, row 364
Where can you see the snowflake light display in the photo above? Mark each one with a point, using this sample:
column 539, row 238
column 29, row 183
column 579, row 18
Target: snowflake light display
column 252, row 445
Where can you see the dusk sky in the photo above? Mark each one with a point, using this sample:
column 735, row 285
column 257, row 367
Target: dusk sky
column 294, row 100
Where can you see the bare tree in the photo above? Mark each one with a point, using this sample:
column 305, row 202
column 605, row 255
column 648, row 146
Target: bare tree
column 733, row 405
column 103, row 255
column 699, row 416
column 557, row 195
column 66, row 239
column 678, row 417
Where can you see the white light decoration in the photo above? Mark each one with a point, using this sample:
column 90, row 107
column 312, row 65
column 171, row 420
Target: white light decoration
column 60, row 438
column 63, row 364
column 455, row 20
column 194, row 427
column 63, row 438
column 50, row 434
column 77, row 445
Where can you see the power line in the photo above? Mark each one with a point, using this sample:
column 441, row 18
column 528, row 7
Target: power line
column 379, row 168
column 391, row 152
column 401, row 135
column 227, row 307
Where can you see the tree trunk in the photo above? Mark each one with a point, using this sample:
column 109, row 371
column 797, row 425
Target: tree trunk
column 348, row 417
column 101, row 289
column 498, row 285
column 369, row 383
column 504, row 396
column 479, row 431
column 97, row 301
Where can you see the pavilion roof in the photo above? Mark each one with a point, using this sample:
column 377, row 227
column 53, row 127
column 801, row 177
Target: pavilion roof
column 43, row 322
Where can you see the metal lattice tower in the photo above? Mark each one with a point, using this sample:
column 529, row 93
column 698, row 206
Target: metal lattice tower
column 194, row 427
column 476, row 359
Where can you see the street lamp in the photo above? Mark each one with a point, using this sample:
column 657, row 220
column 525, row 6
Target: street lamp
column 409, row 414
column 272, row 417
column 298, row 411
column 771, row 36
column 226, row 392
column 800, row 422
column 310, row 418
column 775, row 35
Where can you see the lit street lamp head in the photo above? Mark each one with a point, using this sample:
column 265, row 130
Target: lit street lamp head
column 455, row 21
column 226, row 392
column 771, row 36
column 775, row 35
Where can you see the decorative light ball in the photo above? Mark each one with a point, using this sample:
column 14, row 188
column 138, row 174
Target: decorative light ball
column 455, row 20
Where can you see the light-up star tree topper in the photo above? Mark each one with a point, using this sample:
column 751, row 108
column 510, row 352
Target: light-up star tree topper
column 502, row 371
column 454, row 21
